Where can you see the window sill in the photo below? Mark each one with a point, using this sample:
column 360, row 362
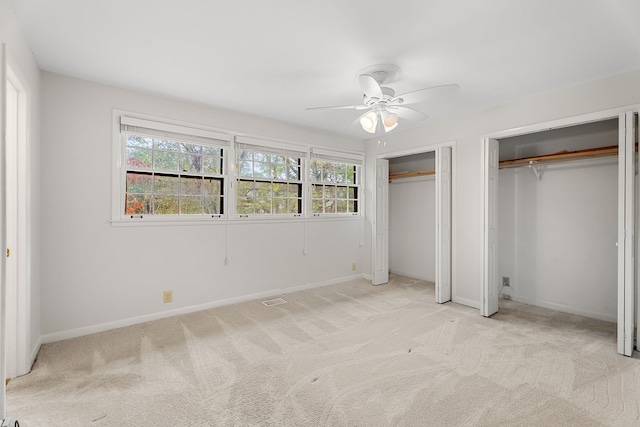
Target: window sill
column 255, row 219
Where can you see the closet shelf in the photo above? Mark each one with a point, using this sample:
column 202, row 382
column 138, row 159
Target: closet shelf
column 411, row 174
column 559, row 157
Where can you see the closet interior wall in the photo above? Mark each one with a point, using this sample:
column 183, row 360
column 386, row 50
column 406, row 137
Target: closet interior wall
column 412, row 218
column 558, row 230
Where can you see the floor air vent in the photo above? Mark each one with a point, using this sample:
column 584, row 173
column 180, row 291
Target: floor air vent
column 272, row 302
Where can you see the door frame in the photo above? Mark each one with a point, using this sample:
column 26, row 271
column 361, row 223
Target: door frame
column 422, row 150
column 614, row 113
column 21, row 355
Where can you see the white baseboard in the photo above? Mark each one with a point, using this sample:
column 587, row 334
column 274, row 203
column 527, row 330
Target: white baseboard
column 87, row 330
column 466, row 301
column 567, row 309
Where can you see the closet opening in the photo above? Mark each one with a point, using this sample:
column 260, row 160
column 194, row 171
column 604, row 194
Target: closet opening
column 559, row 216
column 412, row 223
column 558, row 219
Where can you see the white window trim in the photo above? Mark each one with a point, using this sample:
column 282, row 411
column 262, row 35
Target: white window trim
column 119, row 171
column 337, row 156
column 118, row 175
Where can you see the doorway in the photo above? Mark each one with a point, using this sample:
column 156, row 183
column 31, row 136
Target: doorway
column 492, row 281
column 428, row 175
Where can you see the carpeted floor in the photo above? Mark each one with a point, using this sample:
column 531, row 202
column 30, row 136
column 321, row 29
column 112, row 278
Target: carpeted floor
column 344, row 355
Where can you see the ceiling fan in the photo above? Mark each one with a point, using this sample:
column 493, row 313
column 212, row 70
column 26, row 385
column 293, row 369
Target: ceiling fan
column 383, row 106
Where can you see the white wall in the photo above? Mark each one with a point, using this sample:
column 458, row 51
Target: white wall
column 97, row 276
column 467, row 130
column 412, row 218
column 22, row 62
column 558, row 236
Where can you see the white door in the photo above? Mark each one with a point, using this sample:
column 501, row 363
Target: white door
column 626, row 240
column 490, row 282
column 381, row 224
column 443, row 224
column 3, row 234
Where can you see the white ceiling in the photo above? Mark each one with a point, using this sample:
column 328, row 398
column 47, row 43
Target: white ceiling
column 274, row 58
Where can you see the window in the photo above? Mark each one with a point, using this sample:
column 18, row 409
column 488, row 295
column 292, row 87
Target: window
column 334, row 184
column 269, row 180
column 169, row 173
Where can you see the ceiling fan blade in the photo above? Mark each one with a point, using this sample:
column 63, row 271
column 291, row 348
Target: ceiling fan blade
column 426, row 94
column 339, row 107
column 407, row 112
column 370, row 86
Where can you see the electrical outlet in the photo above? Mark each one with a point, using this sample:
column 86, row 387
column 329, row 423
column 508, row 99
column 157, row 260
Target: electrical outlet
column 505, row 281
column 168, row 296
column 353, row 267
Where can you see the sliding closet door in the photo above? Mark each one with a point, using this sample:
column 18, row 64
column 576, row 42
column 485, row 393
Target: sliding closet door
column 381, row 224
column 626, row 240
column 490, row 282
column 443, row 225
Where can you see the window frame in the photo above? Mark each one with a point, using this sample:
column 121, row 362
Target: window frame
column 337, row 157
column 270, row 148
column 228, row 141
column 179, row 132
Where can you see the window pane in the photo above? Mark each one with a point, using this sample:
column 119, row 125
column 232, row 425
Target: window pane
column 341, row 192
column 352, row 193
column 351, row 175
column 139, row 158
column 245, row 169
column 316, row 191
column 280, row 190
column 353, row 206
column 212, row 187
column 213, row 205
column 293, row 173
column 263, row 189
column 329, row 192
column 280, row 206
column 211, row 151
column 166, row 184
column 341, row 206
column 138, row 204
column 341, row 173
column 165, row 160
column 295, row 190
column 139, row 141
column 163, row 144
column 316, row 206
column 165, row 205
column 246, row 189
column 190, row 163
column 329, row 206
column 212, row 165
column 190, row 185
column 279, row 171
column 294, row 206
column 139, row 182
column 244, row 155
column 328, row 172
column 190, row 205
column 263, row 205
column 277, row 159
column 262, row 157
column 190, row 148
column 244, row 205
column 262, row 170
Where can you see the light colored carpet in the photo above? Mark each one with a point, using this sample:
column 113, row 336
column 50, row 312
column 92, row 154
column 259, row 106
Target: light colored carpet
column 345, row 355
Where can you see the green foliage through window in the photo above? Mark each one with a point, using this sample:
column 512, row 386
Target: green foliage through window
column 334, row 187
column 167, row 177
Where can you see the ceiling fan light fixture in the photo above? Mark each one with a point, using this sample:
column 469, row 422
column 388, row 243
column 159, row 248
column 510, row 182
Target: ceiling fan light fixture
column 369, row 122
column 389, row 120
